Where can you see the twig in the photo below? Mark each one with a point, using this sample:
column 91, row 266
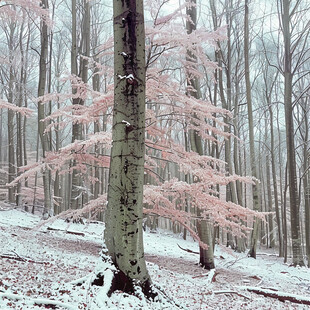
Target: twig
column 67, row 231
column 18, row 255
column 169, row 299
column 200, row 276
column 21, row 259
column 235, row 261
column 231, row 292
column 268, row 254
column 187, row 250
column 38, row 301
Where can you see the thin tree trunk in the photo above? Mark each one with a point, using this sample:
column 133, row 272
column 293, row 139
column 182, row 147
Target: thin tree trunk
column 269, row 203
column 74, row 179
column 274, row 182
column 1, row 134
column 203, row 227
column 77, row 128
column 47, row 210
column 255, row 188
column 306, row 176
column 11, row 148
column 35, row 176
column 19, row 118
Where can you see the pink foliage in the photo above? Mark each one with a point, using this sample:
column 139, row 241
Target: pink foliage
column 171, row 113
column 6, row 105
column 15, row 9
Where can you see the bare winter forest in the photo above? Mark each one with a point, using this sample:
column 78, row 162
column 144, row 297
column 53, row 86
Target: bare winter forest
column 131, row 120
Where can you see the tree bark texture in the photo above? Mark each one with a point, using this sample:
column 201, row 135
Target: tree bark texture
column 124, row 233
column 77, row 128
column 306, row 180
column 41, row 113
column 255, row 188
column 274, row 182
column 203, row 227
column 11, row 147
column 290, row 145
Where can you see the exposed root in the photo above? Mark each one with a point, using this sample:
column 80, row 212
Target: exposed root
column 112, row 280
column 121, row 282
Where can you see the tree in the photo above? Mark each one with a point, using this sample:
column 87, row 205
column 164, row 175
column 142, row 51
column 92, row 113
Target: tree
column 81, row 54
column 193, row 89
column 123, row 233
column 287, row 12
column 45, row 144
column 255, row 188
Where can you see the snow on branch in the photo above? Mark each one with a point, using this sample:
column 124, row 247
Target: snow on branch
column 8, row 9
column 22, row 110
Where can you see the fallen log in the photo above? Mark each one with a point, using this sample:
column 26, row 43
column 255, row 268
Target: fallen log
column 282, row 296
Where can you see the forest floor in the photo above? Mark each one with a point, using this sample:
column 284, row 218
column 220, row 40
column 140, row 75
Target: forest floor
column 40, row 262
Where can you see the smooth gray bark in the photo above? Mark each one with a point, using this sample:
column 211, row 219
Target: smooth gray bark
column 290, row 144
column 124, row 234
column 203, row 227
column 11, row 114
column 274, row 183
column 255, row 188
column 41, row 114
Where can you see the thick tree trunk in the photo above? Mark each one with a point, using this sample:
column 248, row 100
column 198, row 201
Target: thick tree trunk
column 124, row 233
column 290, row 145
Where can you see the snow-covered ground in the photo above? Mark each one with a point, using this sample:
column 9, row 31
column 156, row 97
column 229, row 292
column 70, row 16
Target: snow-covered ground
column 40, row 266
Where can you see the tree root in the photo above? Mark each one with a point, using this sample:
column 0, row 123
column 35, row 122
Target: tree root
column 121, row 282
